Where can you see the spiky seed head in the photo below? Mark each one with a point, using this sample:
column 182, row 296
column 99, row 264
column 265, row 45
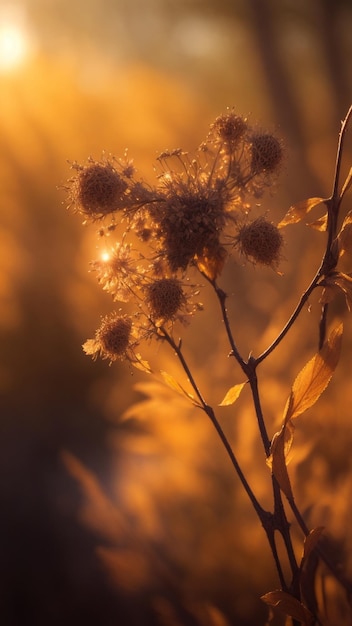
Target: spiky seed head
column 230, row 127
column 97, row 190
column 165, row 297
column 114, row 335
column 266, row 153
column 260, row 241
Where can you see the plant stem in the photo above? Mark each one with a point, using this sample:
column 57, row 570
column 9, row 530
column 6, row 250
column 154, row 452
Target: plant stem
column 262, row 514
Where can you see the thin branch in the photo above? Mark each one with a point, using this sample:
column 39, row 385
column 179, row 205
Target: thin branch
column 262, row 514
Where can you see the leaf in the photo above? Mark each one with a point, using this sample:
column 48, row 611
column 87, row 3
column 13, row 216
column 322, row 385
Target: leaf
column 298, row 211
column 289, row 605
column 314, row 377
column 345, row 236
column 232, row 394
column 320, row 224
column 141, row 364
column 211, row 262
column 347, row 184
column 280, row 447
column 173, row 384
column 337, row 281
column 311, row 542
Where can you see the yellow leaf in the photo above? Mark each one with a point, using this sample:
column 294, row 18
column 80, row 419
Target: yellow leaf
column 298, row 211
column 173, row 384
column 232, row 394
column 314, row 377
column 289, row 605
column 280, row 446
column 141, row 364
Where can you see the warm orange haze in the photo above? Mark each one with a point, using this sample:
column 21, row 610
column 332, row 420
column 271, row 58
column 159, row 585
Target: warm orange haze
column 120, row 504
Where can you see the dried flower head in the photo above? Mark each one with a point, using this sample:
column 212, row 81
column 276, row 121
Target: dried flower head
column 112, row 339
column 165, row 298
column 266, row 153
column 190, row 221
column 97, row 189
column 260, row 241
column 230, row 128
column 118, row 272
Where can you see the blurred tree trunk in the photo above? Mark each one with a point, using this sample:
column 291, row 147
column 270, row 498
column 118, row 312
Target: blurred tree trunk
column 330, row 17
column 264, row 23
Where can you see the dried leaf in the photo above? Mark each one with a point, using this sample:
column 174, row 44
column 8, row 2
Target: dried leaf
column 345, row 236
column 289, row 605
column 298, row 211
column 232, row 394
column 320, row 224
column 347, row 184
column 211, row 263
column 311, row 541
column 337, row 281
column 141, row 364
column 280, row 447
column 173, row 384
column 314, row 377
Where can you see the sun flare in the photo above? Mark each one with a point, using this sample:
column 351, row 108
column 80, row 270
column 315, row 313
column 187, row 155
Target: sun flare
column 14, row 44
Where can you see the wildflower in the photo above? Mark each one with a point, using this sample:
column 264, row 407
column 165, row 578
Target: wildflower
column 112, row 339
column 266, row 153
column 119, row 273
column 190, row 220
column 97, row 190
column 165, row 298
column 261, row 241
column 230, row 128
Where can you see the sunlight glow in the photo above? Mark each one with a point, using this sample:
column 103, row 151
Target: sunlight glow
column 14, row 41
column 105, row 256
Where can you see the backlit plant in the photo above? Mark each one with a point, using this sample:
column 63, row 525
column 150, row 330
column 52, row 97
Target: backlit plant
column 194, row 219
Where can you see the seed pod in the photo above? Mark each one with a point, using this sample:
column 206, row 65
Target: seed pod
column 97, row 190
column 266, row 153
column 165, row 298
column 114, row 335
column 260, row 241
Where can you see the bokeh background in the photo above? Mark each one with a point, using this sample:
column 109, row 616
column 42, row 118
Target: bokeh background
column 135, row 518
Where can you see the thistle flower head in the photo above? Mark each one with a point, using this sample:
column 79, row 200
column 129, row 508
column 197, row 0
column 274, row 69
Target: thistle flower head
column 165, row 298
column 260, row 241
column 266, row 153
column 112, row 339
column 229, row 128
column 189, row 220
column 97, row 189
column 119, row 273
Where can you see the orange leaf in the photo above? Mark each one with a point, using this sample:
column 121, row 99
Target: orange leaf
column 232, row 394
column 289, row 605
column 280, row 446
column 337, row 281
column 345, row 235
column 314, row 377
column 311, row 541
column 298, row 211
column 320, row 224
